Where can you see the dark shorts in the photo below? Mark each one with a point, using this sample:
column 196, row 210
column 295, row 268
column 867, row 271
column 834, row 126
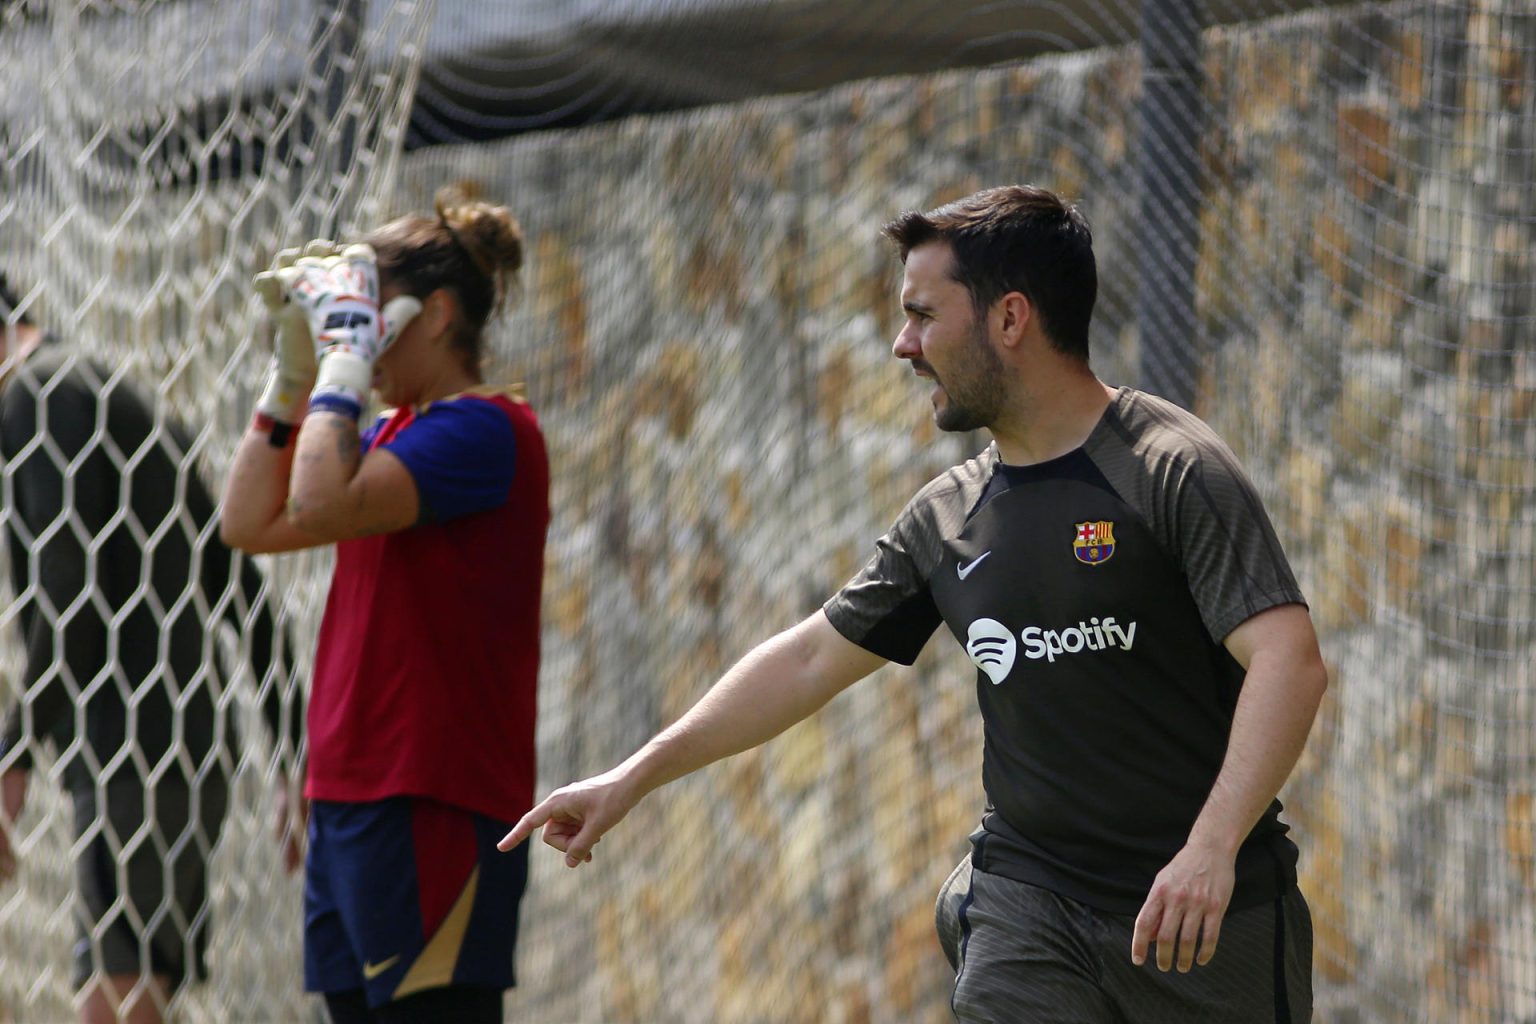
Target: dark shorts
column 404, row 895
column 142, row 880
column 1023, row 953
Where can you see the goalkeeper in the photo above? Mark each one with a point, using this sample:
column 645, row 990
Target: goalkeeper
column 117, row 575
column 1146, row 669
column 429, row 648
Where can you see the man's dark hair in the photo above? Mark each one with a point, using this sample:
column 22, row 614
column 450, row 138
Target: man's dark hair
column 9, row 300
column 1016, row 238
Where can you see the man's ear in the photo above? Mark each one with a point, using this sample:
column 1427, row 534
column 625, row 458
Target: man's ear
column 1014, row 313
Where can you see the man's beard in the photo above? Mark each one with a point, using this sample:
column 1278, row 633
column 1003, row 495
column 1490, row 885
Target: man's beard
column 976, row 394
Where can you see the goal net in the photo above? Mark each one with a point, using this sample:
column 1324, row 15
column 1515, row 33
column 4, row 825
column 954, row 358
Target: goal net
column 1314, row 224
column 153, row 156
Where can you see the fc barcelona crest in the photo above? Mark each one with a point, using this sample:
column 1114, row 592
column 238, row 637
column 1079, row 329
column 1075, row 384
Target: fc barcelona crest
column 1094, row 543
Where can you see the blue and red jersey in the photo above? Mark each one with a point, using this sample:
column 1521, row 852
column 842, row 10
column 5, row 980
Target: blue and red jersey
column 426, row 675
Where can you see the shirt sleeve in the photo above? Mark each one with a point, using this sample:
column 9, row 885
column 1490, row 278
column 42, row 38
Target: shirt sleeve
column 462, row 455
column 1227, row 545
column 887, row 608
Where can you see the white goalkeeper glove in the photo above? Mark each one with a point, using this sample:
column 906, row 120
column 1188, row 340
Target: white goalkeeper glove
column 291, row 373
column 340, row 297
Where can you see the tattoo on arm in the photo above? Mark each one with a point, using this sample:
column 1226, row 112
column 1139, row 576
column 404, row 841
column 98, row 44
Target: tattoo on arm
column 346, row 443
column 335, row 495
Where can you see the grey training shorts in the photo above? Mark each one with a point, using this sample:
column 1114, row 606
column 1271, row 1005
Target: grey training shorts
column 1022, row 953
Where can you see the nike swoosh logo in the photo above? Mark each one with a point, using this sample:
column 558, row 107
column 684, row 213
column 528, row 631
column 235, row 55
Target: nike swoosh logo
column 965, row 570
column 371, row 971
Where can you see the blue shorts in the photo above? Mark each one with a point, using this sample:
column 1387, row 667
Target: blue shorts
column 406, row 894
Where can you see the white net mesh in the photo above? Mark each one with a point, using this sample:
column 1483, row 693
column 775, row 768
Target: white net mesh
column 705, row 332
column 154, row 156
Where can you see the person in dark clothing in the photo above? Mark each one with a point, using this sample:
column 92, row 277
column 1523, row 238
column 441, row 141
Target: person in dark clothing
column 122, row 584
column 1146, row 667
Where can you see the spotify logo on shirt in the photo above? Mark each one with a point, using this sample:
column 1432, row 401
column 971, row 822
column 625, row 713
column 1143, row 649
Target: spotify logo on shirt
column 993, row 648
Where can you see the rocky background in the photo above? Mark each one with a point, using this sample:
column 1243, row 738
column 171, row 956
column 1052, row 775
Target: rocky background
column 707, row 337
column 705, row 331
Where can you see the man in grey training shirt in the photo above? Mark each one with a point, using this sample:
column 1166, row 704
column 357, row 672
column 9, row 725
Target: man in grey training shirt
column 1146, row 667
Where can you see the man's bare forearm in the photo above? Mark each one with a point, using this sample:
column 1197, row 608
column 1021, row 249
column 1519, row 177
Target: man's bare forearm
column 1280, row 697
column 782, row 681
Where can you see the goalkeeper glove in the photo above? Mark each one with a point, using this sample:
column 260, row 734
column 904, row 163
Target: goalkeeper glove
column 340, row 296
column 291, row 373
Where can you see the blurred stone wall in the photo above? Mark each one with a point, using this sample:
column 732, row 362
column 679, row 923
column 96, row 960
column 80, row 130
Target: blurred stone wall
column 1367, row 287
column 706, row 332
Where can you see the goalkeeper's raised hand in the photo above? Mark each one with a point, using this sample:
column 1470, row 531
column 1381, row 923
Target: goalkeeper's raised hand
column 292, row 372
column 340, row 297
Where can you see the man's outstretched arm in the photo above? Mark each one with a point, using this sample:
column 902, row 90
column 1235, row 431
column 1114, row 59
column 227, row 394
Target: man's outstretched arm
column 779, row 682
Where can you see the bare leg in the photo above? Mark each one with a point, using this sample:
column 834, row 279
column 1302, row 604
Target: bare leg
column 123, row 999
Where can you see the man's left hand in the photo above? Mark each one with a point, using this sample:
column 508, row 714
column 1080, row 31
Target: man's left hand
column 1185, row 908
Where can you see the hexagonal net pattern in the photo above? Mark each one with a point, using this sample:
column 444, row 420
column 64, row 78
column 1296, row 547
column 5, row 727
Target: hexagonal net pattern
column 1350, row 208
column 153, row 156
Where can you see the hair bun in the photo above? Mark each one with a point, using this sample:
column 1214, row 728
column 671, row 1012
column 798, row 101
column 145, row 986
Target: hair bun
column 489, row 234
